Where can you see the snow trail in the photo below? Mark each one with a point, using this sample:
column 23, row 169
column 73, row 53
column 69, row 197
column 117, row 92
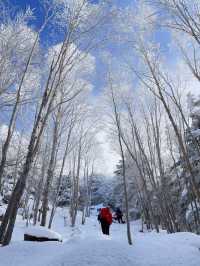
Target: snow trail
column 149, row 249
column 86, row 246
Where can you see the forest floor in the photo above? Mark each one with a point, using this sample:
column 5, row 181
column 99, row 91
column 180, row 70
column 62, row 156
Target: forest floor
column 85, row 245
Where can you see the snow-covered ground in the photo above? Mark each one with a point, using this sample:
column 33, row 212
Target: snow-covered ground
column 85, row 245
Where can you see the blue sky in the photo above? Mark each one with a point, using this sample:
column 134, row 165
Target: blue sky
column 46, row 38
column 34, row 4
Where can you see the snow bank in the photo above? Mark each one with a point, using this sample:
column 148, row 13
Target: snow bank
column 39, row 231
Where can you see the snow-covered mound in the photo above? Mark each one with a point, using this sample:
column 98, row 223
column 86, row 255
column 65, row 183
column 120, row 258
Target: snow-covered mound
column 42, row 232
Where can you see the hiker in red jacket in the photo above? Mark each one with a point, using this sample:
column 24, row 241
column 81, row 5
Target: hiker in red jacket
column 106, row 220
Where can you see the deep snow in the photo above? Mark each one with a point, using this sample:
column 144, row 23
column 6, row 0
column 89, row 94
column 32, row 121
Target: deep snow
column 85, row 245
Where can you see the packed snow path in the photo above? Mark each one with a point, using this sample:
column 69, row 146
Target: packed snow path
column 85, row 245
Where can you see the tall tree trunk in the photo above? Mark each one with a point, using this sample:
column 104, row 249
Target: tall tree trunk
column 117, row 120
column 60, row 176
column 50, row 170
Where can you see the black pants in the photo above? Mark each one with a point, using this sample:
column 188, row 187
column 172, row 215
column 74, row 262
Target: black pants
column 105, row 227
column 119, row 219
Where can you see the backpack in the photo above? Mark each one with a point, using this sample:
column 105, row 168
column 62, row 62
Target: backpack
column 106, row 215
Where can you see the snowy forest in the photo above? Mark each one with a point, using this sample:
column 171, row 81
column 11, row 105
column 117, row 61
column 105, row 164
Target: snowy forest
column 99, row 109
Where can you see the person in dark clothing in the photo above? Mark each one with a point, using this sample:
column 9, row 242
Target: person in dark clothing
column 105, row 220
column 99, row 215
column 119, row 215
